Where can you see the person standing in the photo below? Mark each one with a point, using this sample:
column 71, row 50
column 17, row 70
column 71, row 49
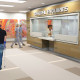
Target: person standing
column 2, row 40
column 16, row 37
column 50, row 30
column 20, row 34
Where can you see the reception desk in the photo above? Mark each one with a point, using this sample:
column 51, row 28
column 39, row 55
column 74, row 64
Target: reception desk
column 66, row 29
column 47, row 38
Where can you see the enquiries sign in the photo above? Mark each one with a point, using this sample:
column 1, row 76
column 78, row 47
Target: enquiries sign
column 52, row 11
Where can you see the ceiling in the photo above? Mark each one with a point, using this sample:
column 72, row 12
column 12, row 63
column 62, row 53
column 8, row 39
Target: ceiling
column 28, row 5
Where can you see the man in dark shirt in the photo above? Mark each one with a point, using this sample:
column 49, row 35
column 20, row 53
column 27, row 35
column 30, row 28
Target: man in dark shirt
column 2, row 39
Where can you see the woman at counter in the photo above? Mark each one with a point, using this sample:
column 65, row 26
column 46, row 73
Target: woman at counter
column 50, row 30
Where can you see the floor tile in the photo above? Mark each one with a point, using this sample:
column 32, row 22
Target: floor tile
column 12, row 74
column 67, row 64
column 74, row 70
column 7, row 64
column 48, row 57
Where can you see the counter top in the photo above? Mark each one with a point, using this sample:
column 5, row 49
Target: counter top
column 47, row 38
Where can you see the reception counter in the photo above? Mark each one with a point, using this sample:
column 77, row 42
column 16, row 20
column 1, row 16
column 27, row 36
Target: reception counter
column 66, row 26
column 47, row 38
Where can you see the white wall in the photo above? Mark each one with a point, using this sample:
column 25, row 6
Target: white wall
column 13, row 16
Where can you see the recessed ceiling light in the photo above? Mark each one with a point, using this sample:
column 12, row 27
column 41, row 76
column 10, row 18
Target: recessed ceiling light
column 14, row 1
column 42, row 3
column 6, row 6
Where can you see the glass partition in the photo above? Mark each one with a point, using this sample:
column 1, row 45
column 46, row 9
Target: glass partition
column 60, row 27
column 35, row 25
column 38, row 26
column 66, row 25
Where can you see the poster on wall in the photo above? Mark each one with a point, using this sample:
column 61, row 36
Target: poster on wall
column 24, row 27
column 9, row 26
column 3, row 22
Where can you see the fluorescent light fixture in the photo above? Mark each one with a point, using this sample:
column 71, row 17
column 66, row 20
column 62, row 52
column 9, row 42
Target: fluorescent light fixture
column 23, row 11
column 6, row 6
column 1, row 10
column 14, row 1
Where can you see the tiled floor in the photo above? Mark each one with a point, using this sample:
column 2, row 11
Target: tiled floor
column 37, row 68
column 48, row 57
column 74, row 70
column 67, row 64
column 45, row 56
column 12, row 74
column 7, row 64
